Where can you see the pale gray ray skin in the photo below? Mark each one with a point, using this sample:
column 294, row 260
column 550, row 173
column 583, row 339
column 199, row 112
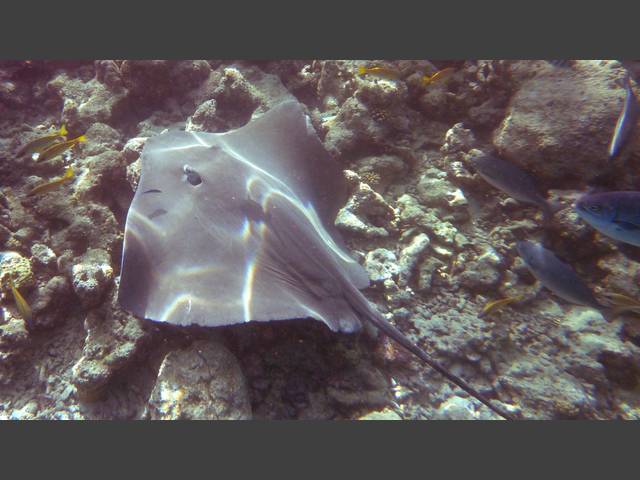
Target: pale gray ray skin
column 253, row 241
column 236, row 227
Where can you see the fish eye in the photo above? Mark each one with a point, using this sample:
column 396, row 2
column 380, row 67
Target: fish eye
column 193, row 177
column 595, row 208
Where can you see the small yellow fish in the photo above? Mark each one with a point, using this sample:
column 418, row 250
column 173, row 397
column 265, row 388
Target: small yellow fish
column 53, row 184
column 379, row 72
column 44, row 142
column 21, row 304
column 440, row 75
column 497, row 304
column 58, row 148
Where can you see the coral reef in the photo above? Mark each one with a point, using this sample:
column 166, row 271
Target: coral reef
column 199, row 383
column 437, row 241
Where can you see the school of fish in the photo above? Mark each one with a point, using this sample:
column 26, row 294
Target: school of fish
column 614, row 214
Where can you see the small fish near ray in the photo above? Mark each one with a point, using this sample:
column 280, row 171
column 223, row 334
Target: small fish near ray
column 59, row 148
column 614, row 214
column 558, row 276
column 43, row 142
column 53, row 184
column 379, row 71
column 627, row 121
column 234, row 227
column 515, row 182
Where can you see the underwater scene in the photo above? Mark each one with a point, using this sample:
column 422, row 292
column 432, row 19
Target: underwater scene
column 319, row 239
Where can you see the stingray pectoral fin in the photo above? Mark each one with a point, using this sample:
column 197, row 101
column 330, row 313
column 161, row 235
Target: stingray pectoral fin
column 628, row 226
column 136, row 276
column 313, row 290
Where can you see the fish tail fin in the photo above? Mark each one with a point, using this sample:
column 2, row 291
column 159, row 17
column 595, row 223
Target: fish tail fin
column 63, row 131
column 362, row 70
column 69, row 173
column 81, row 138
column 425, row 80
column 392, row 332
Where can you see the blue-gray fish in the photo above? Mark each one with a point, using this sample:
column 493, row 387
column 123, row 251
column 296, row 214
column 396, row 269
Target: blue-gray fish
column 627, row 121
column 560, row 63
column 558, row 276
column 514, row 181
column 614, row 214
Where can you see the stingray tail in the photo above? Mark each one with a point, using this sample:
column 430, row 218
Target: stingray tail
column 379, row 321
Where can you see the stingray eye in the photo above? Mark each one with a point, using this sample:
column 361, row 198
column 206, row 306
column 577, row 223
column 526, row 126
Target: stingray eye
column 595, row 208
column 193, row 177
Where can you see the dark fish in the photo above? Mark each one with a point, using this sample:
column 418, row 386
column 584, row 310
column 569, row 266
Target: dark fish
column 614, row 214
column 514, row 181
column 560, row 63
column 627, row 121
column 558, row 276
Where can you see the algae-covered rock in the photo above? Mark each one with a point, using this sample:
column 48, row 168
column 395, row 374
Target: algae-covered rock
column 362, row 386
column 87, row 102
column 386, row 414
column 13, row 335
column 52, row 303
column 559, row 123
column 379, row 171
column 201, row 382
column 381, row 264
column 412, row 214
column 147, row 80
column 230, row 96
column 113, row 339
column 563, row 398
column 366, row 212
column 42, row 254
column 92, row 275
column 14, row 267
column 459, row 408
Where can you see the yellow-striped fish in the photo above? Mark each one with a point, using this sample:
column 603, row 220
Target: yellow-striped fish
column 619, row 299
column 622, row 304
column 379, row 72
column 21, row 304
column 497, row 304
column 440, row 75
column 53, row 184
column 58, row 148
column 44, row 142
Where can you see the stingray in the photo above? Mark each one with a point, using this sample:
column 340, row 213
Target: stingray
column 233, row 227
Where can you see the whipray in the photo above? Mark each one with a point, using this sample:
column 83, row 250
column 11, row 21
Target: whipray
column 235, row 227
